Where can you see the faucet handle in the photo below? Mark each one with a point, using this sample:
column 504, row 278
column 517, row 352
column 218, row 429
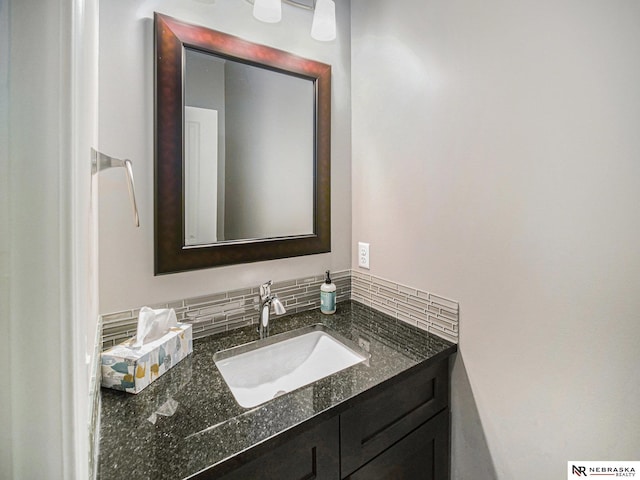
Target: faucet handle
column 265, row 289
column 277, row 305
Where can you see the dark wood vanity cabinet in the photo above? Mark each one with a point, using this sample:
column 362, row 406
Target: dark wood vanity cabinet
column 398, row 430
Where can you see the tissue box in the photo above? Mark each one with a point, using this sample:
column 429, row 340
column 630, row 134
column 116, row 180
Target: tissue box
column 132, row 369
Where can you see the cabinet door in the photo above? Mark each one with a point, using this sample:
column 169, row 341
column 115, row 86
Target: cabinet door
column 374, row 425
column 421, row 455
column 313, row 454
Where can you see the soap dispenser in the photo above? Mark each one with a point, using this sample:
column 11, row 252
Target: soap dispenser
column 328, row 296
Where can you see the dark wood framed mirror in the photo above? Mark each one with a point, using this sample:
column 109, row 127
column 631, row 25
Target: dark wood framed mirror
column 239, row 208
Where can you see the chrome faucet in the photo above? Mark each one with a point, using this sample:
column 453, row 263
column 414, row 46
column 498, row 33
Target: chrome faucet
column 266, row 300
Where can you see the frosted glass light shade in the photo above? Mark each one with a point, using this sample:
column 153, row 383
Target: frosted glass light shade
column 269, row 11
column 323, row 27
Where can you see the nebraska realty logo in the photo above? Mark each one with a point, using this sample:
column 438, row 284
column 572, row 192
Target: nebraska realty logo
column 576, row 470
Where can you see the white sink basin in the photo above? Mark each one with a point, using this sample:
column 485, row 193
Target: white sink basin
column 260, row 371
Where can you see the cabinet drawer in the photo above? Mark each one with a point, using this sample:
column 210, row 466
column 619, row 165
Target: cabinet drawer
column 369, row 428
column 423, row 454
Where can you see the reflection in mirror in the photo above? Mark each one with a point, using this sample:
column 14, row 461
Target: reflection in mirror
column 243, row 150
column 203, row 214
column 249, row 156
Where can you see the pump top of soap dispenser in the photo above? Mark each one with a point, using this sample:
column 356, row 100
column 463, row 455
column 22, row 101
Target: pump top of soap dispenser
column 327, row 278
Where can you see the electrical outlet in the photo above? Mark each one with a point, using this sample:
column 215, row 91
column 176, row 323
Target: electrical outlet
column 363, row 255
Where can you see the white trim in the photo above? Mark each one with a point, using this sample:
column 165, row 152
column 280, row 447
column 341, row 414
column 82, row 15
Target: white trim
column 82, row 229
column 6, row 448
column 66, row 188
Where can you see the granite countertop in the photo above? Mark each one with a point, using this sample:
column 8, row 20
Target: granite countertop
column 203, row 425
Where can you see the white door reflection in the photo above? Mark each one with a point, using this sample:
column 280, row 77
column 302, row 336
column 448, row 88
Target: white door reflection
column 201, row 175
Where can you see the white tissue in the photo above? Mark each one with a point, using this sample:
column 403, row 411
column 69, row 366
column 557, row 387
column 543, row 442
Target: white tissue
column 153, row 324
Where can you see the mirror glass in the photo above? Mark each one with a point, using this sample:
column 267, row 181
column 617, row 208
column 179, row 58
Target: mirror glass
column 248, row 151
column 242, row 150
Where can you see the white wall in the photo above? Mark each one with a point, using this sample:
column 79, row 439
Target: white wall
column 126, row 130
column 48, row 267
column 495, row 161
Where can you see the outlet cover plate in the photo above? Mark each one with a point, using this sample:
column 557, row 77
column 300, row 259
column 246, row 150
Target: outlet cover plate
column 363, row 255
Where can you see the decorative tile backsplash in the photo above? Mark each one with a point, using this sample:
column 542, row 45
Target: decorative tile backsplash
column 427, row 311
column 224, row 311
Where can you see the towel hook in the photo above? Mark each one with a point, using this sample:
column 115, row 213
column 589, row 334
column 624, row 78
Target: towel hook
column 100, row 161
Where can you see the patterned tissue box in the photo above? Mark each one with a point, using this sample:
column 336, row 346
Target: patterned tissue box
column 132, row 369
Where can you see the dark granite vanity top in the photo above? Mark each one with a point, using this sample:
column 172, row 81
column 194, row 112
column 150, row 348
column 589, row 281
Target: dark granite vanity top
column 203, row 425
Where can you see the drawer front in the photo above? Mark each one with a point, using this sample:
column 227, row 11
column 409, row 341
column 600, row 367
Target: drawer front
column 423, row 454
column 369, row 428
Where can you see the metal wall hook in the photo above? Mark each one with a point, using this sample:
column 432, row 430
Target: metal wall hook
column 100, row 161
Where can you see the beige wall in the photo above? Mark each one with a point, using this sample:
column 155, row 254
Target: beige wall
column 495, row 161
column 126, row 130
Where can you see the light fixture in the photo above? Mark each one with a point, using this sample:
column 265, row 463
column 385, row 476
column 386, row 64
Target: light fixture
column 323, row 27
column 269, row 11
